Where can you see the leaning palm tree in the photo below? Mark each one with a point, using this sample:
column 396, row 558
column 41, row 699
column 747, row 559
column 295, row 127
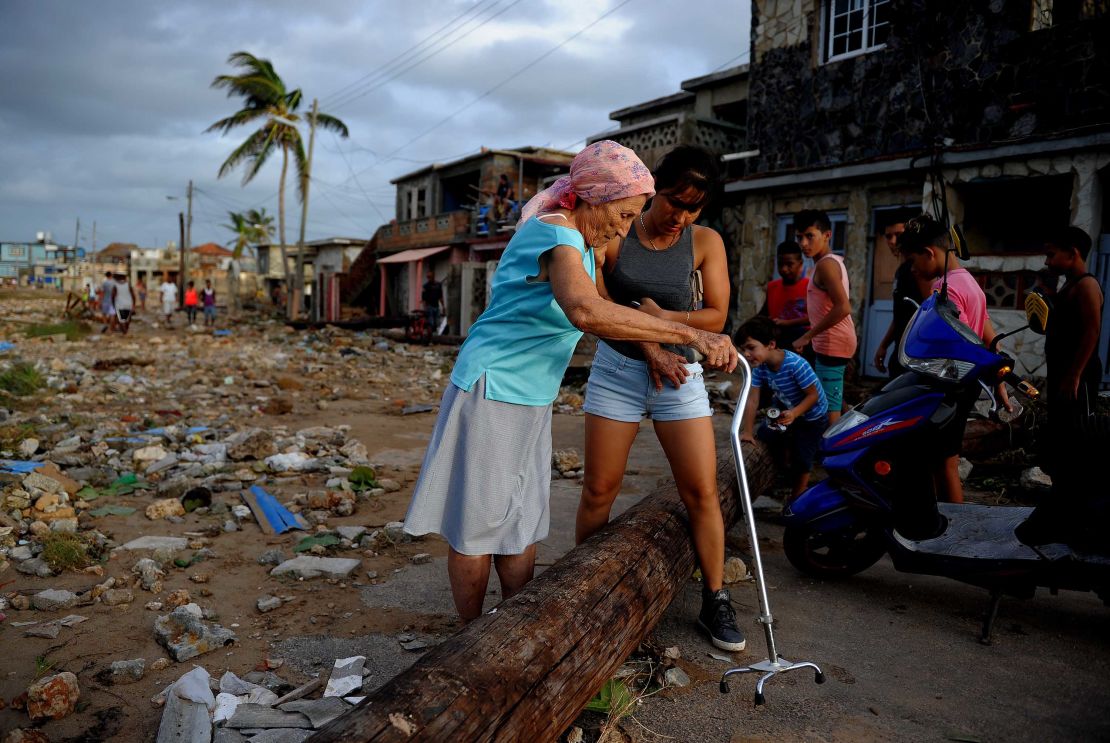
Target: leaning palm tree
column 266, row 100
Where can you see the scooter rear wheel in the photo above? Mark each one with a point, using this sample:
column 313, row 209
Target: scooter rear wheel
column 831, row 554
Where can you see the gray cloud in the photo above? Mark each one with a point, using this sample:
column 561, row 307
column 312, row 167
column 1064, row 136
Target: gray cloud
column 105, row 103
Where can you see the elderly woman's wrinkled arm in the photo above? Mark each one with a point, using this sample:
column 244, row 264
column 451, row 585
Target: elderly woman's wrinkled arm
column 578, row 297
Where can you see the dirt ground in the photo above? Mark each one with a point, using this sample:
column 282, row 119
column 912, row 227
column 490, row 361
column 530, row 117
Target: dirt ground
column 900, row 651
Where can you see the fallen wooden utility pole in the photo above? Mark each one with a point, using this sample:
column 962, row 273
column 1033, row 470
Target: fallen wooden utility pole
column 525, row 671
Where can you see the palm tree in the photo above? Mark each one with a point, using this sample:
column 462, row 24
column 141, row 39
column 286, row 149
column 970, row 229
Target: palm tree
column 267, row 100
column 252, row 226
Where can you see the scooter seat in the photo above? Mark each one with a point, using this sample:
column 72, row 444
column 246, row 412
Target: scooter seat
column 977, row 532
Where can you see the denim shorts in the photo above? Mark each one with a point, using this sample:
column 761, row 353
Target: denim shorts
column 621, row 389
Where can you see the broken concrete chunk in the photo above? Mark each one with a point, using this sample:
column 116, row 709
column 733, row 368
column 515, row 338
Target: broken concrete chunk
column 288, row 735
column 272, row 557
column 35, row 566
column 164, row 509
column 346, row 677
column 676, row 677
column 117, row 596
column 53, row 599
column 319, row 711
column 260, row 716
column 308, row 566
column 351, row 532
column 149, row 572
column 127, row 671
column 185, row 635
column 149, row 454
column 735, row 570
column 254, row 443
column 268, row 603
column 173, row 544
column 187, row 717
column 53, row 697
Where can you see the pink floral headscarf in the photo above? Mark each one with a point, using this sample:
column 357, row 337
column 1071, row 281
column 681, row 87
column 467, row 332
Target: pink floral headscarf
column 604, row 171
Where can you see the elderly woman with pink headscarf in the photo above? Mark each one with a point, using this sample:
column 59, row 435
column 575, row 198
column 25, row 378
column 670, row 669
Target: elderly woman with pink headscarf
column 485, row 482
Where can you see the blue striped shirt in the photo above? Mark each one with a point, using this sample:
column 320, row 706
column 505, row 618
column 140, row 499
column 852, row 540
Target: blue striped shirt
column 789, row 384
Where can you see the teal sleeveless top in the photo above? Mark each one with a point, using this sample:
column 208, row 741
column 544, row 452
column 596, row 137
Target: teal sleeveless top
column 523, row 341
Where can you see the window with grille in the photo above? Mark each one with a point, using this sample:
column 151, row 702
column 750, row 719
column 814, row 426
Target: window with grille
column 855, row 27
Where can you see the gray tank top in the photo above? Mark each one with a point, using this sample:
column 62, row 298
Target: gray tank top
column 662, row 275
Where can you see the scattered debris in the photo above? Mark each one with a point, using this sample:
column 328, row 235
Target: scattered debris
column 53, row 697
column 307, row 566
column 735, row 570
column 186, row 635
column 346, row 677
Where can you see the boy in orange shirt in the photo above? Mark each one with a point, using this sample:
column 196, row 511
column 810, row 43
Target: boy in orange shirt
column 786, row 297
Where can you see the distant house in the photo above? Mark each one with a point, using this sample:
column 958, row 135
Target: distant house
column 446, row 223
column 852, row 107
column 326, row 261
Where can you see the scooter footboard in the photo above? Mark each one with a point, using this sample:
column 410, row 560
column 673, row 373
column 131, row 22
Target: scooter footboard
column 824, row 502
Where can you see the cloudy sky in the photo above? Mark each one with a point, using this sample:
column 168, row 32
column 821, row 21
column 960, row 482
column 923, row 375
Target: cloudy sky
column 105, row 103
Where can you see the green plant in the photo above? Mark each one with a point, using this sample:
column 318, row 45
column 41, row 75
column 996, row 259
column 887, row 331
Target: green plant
column 322, row 540
column 63, row 551
column 21, row 379
column 363, row 478
column 43, row 666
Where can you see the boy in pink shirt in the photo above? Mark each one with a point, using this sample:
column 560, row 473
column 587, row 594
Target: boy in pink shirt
column 926, row 242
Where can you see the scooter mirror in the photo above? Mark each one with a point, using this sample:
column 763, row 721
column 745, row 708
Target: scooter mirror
column 1036, row 311
column 959, row 242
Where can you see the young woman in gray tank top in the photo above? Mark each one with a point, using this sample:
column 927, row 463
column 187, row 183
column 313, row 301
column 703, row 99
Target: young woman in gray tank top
column 653, row 268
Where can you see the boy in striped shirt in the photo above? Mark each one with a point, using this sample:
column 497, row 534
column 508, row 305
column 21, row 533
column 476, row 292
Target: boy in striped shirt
column 797, row 392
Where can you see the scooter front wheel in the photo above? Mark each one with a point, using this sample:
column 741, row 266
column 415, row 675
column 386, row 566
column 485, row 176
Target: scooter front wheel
column 833, row 553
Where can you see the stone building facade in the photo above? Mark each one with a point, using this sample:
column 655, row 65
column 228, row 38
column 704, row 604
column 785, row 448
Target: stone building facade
column 856, row 107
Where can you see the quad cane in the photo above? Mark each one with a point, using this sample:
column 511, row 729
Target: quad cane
column 774, row 663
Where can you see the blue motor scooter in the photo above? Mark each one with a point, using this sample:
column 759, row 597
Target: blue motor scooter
column 880, row 498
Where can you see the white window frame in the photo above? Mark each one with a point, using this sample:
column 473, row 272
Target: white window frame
column 868, row 6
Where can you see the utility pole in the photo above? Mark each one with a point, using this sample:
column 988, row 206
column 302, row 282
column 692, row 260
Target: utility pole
column 298, row 279
column 181, row 268
column 186, row 237
column 76, row 234
column 94, row 237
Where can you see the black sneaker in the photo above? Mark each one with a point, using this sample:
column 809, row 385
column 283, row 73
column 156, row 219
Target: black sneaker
column 718, row 620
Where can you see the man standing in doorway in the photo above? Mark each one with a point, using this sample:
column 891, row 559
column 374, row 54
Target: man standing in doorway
column 432, row 297
column 832, row 331
column 908, row 291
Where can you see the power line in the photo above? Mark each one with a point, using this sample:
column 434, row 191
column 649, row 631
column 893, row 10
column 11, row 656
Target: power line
column 351, row 170
column 344, row 90
column 500, row 85
column 349, row 98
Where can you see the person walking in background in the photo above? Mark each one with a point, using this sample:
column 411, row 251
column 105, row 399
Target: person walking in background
column 123, row 298
column 431, row 295
column 168, row 290
column 492, row 510
column 652, row 267
column 908, row 292
column 192, row 301
column 208, row 298
column 140, row 289
column 786, row 296
column 107, row 309
column 832, row 332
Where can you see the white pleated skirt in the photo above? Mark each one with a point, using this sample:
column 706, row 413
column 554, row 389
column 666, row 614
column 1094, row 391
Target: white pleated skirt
column 485, row 484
